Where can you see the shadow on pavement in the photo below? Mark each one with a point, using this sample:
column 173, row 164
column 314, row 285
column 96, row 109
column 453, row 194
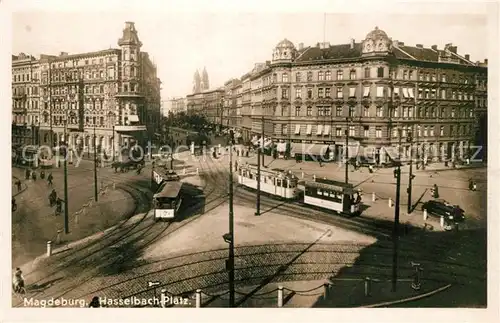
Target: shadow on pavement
column 456, row 258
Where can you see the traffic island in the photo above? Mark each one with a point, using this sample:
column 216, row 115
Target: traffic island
column 84, row 220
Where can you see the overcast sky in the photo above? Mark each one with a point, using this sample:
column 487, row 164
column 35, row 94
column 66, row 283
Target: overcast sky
column 229, row 43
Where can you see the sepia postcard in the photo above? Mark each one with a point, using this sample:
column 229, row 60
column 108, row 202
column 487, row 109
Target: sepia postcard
column 270, row 155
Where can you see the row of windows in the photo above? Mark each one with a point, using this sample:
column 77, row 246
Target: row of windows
column 367, row 73
column 23, row 77
column 428, row 131
column 433, row 77
column 364, row 131
column 321, row 76
column 75, row 63
column 405, row 112
column 325, row 92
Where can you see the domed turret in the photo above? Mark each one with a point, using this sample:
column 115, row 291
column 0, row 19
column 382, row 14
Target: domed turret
column 376, row 41
column 284, row 51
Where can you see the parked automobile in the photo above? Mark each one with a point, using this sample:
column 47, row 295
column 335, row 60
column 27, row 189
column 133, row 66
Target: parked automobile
column 453, row 213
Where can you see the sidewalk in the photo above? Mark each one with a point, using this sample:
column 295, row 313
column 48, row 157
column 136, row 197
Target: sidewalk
column 34, row 215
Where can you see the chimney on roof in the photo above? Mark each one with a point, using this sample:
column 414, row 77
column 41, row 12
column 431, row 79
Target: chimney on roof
column 450, row 48
column 63, row 54
column 352, row 43
column 435, row 47
column 301, row 46
column 467, row 57
column 420, row 46
column 485, row 61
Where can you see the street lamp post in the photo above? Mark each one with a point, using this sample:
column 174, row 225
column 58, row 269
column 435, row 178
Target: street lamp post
column 410, row 177
column 395, row 238
column 347, row 151
column 66, row 201
column 231, row 222
column 96, row 193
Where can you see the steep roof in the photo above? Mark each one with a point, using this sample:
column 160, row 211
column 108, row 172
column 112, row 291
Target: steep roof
column 342, row 51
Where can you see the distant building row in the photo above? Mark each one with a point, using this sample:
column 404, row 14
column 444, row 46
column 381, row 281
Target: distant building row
column 372, row 91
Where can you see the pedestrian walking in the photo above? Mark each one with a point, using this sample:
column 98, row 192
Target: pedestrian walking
column 33, row 176
column 27, row 174
column 18, row 184
column 49, row 179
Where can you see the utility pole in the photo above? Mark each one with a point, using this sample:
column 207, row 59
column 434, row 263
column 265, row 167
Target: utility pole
column 257, row 212
column 96, row 193
column 66, row 201
column 395, row 238
column 346, row 151
column 231, row 222
column 262, row 136
column 410, row 177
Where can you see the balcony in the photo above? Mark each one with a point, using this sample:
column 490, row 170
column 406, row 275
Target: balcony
column 19, row 96
column 129, row 94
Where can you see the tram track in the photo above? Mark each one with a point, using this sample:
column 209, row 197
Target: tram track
column 256, row 263
column 138, row 237
column 201, row 274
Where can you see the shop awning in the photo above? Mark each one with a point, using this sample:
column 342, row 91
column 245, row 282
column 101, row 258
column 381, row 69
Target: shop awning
column 309, row 149
column 309, row 129
column 297, row 129
column 319, row 130
column 327, row 130
column 281, row 147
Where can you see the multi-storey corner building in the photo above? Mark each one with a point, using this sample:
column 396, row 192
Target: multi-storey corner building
column 373, row 90
column 114, row 91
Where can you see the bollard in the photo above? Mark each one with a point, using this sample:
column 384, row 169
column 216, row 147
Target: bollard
column 163, row 298
column 367, row 286
column 441, row 221
column 58, row 239
column 314, row 178
column 49, row 248
column 302, row 175
column 374, row 197
column 197, row 171
column 425, row 214
column 198, row 298
column 280, row 296
column 390, row 202
column 184, row 171
column 114, row 186
column 326, row 286
column 76, row 217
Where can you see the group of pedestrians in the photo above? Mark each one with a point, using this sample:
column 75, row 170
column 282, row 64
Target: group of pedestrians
column 31, row 174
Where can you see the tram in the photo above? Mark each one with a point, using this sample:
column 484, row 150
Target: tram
column 276, row 182
column 167, row 201
column 333, row 195
column 323, row 193
column 162, row 176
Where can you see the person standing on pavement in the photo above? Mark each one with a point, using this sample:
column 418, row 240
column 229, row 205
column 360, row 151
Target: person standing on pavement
column 49, row 179
column 18, row 184
column 33, row 176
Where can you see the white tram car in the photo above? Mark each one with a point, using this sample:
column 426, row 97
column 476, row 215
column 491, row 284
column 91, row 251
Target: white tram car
column 275, row 182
